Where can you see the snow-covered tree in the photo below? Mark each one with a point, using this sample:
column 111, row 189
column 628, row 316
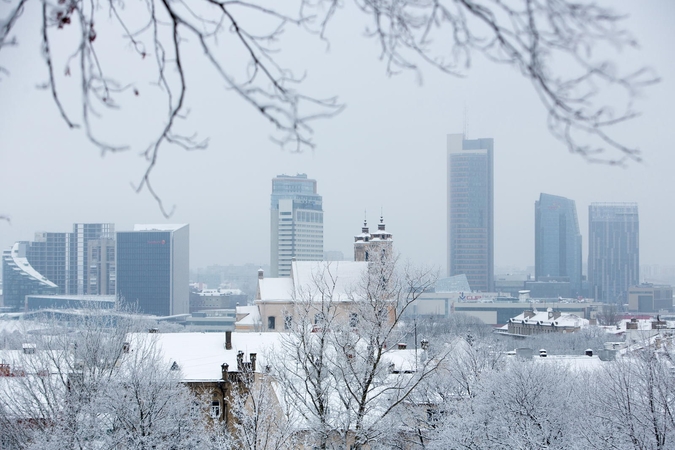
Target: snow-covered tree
column 82, row 385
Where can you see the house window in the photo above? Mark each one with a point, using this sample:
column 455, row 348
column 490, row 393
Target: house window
column 319, row 318
column 288, row 322
column 215, row 409
column 271, row 322
column 353, row 320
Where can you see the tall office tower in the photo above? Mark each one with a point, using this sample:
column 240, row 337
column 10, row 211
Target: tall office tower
column 557, row 241
column 153, row 269
column 471, row 210
column 19, row 278
column 296, row 227
column 613, row 250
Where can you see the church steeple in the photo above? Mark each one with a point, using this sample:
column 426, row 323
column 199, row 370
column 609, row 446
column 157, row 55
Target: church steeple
column 378, row 242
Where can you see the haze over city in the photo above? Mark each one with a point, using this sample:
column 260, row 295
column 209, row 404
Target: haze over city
column 386, row 152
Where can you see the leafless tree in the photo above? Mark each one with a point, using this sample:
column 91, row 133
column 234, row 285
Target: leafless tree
column 261, row 420
column 84, row 386
column 554, row 44
column 634, row 402
column 340, row 366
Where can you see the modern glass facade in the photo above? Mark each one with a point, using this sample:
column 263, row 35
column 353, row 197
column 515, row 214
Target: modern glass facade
column 613, row 250
column 19, row 278
column 557, row 242
column 153, row 269
column 296, row 228
column 471, row 210
column 49, row 254
column 64, row 258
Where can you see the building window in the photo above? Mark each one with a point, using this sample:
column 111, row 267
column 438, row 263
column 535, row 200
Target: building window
column 215, row 409
column 319, row 318
column 353, row 320
column 271, row 322
column 288, row 322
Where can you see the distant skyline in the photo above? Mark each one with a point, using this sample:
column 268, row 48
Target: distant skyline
column 386, row 152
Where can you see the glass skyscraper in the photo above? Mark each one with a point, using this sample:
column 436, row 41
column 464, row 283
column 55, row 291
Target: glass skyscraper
column 64, row 258
column 613, row 250
column 470, row 194
column 153, row 265
column 296, row 223
column 19, row 278
column 557, row 241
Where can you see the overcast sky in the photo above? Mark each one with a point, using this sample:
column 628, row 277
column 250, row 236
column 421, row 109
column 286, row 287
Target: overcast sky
column 387, row 151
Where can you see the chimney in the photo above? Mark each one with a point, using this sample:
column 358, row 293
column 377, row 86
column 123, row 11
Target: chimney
column 223, row 371
column 240, row 361
column 28, row 349
column 253, row 357
column 228, row 340
column 261, row 275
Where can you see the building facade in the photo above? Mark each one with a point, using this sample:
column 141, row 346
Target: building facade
column 153, row 269
column 613, row 250
column 470, row 194
column 296, row 228
column 649, row 297
column 20, row 279
column 557, row 242
column 64, row 258
column 101, row 276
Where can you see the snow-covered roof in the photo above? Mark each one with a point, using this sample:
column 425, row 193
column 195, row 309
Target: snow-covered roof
column 575, row 363
column 276, row 289
column 307, row 276
column 21, row 263
column 251, row 315
column 200, row 355
column 159, row 227
column 544, row 318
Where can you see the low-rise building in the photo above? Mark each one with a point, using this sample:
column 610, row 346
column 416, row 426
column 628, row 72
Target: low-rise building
column 532, row 321
column 649, row 297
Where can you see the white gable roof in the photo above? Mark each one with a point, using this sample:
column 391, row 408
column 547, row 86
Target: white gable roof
column 309, row 277
column 341, row 276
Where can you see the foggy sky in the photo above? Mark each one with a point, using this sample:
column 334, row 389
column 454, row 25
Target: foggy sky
column 386, row 151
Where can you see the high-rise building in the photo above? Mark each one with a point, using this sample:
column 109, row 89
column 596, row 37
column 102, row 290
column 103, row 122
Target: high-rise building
column 101, row 276
column 153, row 269
column 50, row 255
column 557, row 242
column 296, row 223
column 64, row 257
column 19, row 278
column 613, row 250
column 83, row 234
column 471, row 210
